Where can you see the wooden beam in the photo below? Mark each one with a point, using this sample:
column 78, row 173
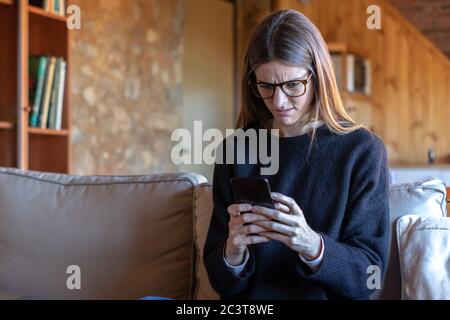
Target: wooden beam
column 22, row 85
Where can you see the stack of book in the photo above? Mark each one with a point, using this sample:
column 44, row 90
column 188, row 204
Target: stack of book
column 54, row 6
column 46, row 91
column 357, row 72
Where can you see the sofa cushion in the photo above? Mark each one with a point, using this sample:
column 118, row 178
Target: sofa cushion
column 427, row 198
column 424, row 246
column 203, row 208
column 423, row 198
column 131, row 236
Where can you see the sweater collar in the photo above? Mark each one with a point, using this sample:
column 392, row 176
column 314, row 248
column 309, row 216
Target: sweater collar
column 307, row 128
column 310, row 126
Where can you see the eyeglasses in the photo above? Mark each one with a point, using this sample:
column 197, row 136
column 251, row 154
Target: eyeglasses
column 292, row 88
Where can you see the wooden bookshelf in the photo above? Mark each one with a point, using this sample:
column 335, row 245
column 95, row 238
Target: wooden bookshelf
column 30, row 31
column 343, row 50
column 360, row 104
column 48, row 15
column 6, row 125
column 337, row 47
column 7, row 2
column 8, row 83
column 49, row 132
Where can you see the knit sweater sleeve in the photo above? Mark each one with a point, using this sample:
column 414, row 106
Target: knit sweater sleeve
column 222, row 278
column 364, row 235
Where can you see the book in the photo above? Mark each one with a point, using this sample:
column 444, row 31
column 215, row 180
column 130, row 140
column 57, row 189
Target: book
column 37, row 3
column 43, row 116
column 337, row 65
column 37, row 68
column 49, row 5
column 59, row 106
column 54, row 95
column 350, row 72
column 56, row 7
column 362, row 75
column 368, row 74
column 59, row 7
column 359, row 75
column 63, row 7
column 46, row 5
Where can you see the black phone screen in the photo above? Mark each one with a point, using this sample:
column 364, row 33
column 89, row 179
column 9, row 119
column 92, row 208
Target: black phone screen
column 255, row 191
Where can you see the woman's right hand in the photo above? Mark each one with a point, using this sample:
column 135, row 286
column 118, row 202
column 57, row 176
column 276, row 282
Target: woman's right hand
column 239, row 234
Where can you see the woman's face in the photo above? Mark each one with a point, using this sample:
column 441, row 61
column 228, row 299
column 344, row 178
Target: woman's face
column 286, row 111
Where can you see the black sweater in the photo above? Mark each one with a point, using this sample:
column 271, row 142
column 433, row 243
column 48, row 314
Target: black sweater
column 343, row 191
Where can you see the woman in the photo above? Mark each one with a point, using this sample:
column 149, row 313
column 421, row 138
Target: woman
column 330, row 222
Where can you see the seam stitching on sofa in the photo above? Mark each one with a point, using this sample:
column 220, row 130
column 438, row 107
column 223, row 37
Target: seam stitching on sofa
column 98, row 184
column 194, row 290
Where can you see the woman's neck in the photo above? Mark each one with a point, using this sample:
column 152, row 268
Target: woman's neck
column 296, row 129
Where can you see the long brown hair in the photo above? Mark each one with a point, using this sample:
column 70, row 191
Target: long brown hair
column 289, row 36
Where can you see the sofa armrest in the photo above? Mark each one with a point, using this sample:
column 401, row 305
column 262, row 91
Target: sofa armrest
column 6, row 294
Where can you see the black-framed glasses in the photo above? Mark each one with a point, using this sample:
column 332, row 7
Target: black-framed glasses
column 292, row 88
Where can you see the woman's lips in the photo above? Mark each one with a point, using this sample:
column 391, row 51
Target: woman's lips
column 284, row 112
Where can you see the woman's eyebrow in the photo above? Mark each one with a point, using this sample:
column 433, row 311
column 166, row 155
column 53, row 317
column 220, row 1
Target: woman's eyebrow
column 293, row 79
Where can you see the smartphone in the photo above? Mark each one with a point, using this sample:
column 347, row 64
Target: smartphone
column 255, row 191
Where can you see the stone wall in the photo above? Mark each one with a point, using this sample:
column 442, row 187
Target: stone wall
column 126, row 85
column 126, row 81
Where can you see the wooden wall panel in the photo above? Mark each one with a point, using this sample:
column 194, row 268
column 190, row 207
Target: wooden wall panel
column 410, row 100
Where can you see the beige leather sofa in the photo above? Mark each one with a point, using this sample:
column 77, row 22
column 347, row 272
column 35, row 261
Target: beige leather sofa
column 130, row 236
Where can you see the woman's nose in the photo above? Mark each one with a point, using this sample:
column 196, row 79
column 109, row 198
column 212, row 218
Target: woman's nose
column 279, row 98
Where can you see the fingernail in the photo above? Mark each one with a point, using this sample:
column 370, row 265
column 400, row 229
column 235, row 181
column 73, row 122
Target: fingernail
column 247, row 207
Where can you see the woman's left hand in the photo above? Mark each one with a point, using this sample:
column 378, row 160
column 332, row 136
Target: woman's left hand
column 289, row 226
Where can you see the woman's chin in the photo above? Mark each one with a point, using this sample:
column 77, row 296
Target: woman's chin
column 285, row 121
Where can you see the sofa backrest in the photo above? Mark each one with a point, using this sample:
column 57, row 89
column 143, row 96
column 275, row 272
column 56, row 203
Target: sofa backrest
column 130, row 236
column 425, row 198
